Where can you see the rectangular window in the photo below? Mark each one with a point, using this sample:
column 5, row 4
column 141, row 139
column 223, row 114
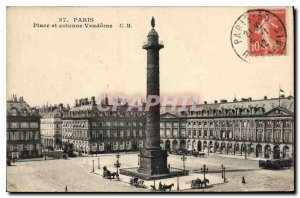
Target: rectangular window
column 107, row 123
column 16, row 134
column 211, row 133
column 108, row 133
column 161, row 124
column 24, row 125
column 162, row 133
column 14, row 125
column 194, row 133
column 141, row 133
column 200, row 132
column 175, row 124
column 182, row 133
column 134, row 133
column 168, row 133
column 168, row 124
column 100, row 134
column 175, row 133
column 93, row 134
column 128, row 133
column 32, row 125
column 115, row 134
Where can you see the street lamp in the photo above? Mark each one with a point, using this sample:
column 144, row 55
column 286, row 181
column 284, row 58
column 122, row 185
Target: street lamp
column 118, row 155
column 93, row 167
column 183, row 159
column 117, row 164
column 98, row 162
column 177, row 180
column 223, row 172
column 204, row 170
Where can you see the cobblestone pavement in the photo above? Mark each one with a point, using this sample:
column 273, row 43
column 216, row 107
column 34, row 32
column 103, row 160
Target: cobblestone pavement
column 75, row 173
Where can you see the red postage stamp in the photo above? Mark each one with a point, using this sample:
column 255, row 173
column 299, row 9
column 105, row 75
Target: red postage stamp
column 260, row 32
column 267, row 32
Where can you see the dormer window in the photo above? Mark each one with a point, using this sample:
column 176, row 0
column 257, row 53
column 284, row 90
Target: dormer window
column 14, row 112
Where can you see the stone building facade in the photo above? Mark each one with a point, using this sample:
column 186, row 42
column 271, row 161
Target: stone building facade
column 256, row 128
column 51, row 125
column 93, row 131
column 23, row 139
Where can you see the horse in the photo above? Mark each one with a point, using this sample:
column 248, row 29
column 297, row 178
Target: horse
column 133, row 181
column 169, row 187
column 205, row 182
column 196, row 183
column 141, row 184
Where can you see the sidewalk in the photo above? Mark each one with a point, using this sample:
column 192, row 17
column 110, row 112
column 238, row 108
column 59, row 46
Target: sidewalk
column 236, row 156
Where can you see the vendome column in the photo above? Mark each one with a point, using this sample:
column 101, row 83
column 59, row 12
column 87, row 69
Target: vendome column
column 153, row 160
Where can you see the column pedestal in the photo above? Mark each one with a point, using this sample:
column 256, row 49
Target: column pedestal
column 153, row 162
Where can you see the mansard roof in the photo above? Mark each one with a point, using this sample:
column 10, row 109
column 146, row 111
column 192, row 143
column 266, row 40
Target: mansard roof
column 235, row 108
column 20, row 107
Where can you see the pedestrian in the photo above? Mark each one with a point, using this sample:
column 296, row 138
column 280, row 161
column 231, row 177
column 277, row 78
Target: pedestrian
column 66, row 189
column 243, row 180
column 160, row 185
column 169, row 166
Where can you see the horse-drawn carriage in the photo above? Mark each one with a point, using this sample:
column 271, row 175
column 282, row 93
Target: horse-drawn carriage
column 198, row 154
column 180, row 151
column 198, row 183
column 137, row 183
column 161, row 188
column 107, row 174
column 276, row 163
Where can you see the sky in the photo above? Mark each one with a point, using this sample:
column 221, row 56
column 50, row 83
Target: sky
column 59, row 65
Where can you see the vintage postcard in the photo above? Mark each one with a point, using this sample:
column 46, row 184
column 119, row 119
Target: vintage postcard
column 150, row 99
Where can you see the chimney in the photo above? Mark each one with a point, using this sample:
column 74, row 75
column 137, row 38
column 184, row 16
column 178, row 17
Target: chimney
column 106, row 100
column 76, row 102
column 93, row 101
column 205, row 102
column 223, row 101
column 265, row 97
column 216, row 102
